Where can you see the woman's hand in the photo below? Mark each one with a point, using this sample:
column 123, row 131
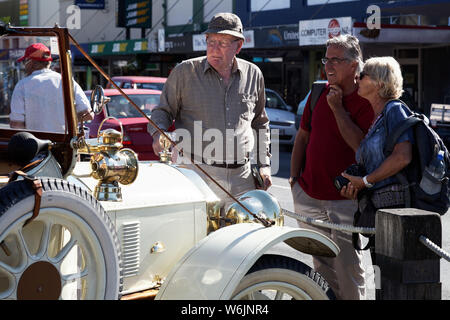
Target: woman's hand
column 350, row 191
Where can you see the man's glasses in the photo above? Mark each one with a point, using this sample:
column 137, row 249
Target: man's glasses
column 334, row 61
column 220, row 43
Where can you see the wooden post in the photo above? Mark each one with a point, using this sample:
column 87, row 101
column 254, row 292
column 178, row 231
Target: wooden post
column 409, row 270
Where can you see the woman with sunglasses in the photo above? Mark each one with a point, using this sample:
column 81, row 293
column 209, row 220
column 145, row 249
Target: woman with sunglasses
column 381, row 83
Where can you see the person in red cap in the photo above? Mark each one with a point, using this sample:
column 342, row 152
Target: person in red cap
column 37, row 101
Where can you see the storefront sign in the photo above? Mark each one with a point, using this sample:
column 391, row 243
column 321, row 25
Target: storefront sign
column 281, row 36
column 317, row 2
column 4, row 54
column 178, row 44
column 317, row 32
column 118, row 47
column 90, row 4
column 261, row 5
column 199, row 41
column 23, row 12
column 161, row 40
column 134, row 14
column 249, row 39
column 16, row 53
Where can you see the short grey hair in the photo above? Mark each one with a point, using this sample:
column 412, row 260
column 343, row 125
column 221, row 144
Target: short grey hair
column 386, row 71
column 351, row 46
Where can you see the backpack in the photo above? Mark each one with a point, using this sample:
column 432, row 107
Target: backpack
column 316, row 91
column 427, row 145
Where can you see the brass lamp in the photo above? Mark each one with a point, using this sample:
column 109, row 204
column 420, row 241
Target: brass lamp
column 112, row 165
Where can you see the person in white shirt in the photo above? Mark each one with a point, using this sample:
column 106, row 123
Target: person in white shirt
column 37, row 101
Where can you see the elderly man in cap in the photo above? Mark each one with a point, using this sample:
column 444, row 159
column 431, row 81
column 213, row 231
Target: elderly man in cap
column 216, row 102
column 37, row 101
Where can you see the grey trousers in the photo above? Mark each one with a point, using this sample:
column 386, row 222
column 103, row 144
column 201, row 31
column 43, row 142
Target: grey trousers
column 345, row 273
column 236, row 181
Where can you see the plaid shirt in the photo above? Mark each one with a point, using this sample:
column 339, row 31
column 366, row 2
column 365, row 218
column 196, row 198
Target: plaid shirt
column 197, row 99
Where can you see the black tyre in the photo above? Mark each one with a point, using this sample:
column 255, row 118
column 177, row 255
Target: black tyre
column 69, row 251
column 280, row 278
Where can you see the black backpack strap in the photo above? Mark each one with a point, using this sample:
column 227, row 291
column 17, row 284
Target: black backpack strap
column 399, row 130
column 316, row 92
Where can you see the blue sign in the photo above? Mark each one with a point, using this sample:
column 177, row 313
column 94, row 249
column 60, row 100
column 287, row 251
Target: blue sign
column 90, row 4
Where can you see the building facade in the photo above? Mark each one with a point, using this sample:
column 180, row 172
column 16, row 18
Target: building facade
column 285, row 38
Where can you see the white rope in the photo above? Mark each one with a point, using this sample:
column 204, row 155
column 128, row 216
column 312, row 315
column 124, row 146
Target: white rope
column 329, row 225
column 352, row 229
column 434, row 247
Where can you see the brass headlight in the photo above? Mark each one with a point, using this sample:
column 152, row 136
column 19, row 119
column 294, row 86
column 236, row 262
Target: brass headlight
column 213, row 215
column 112, row 165
column 258, row 202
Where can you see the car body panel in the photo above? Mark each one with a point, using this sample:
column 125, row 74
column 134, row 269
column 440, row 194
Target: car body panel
column 149, row 215
column 214, row 267
column 280, row 118
column 138, row 82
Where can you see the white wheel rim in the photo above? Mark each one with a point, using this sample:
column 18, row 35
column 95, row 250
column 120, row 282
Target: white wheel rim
column 272, row 290
column 80, row 251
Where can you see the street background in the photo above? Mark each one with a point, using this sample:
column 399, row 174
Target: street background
column 281, row 190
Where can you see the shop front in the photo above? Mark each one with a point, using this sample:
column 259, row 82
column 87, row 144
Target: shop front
column 276, row 52
column 116, row 58
column 422, row 52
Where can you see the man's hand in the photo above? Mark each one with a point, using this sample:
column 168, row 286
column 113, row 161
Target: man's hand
column 334, row 97
column 85, row 115
column 266, row 176
column 157, row 148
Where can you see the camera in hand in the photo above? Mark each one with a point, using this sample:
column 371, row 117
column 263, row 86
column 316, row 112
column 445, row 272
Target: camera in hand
column 353, row 170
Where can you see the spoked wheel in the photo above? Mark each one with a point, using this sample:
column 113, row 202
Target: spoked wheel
column 69, row 251
column 276, row 277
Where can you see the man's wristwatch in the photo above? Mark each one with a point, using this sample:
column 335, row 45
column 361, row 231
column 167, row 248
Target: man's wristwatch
column 292, row 180
column 367, row 183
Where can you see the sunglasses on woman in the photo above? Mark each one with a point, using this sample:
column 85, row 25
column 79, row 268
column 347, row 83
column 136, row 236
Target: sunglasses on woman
column 362, row 74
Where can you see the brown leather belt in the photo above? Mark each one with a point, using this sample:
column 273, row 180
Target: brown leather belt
column 232, row 165
column 227, row 165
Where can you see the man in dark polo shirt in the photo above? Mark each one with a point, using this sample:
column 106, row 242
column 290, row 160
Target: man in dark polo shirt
column 322, row 151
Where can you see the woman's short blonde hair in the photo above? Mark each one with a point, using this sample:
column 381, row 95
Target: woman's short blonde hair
column 386, row 71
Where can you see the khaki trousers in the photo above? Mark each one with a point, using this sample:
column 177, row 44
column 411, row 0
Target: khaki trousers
column 345, row 273
column 236, row 181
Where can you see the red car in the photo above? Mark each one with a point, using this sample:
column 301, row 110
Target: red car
column 138, row 82
column 135, row 135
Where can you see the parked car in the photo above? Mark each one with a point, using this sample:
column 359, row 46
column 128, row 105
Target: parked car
column 281, row 117
column 135, row 135
column 116, row 227
column 138, row 82
column 440, row 121
column 301, row 107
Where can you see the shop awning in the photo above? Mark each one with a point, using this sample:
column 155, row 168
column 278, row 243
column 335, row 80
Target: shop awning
column 393, row 33
column 430, row 8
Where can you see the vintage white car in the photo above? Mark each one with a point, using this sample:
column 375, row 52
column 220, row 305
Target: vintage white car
column 117, row 228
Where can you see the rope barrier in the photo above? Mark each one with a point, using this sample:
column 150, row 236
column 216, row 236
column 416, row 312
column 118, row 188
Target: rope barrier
column 434, row 247
column 330, row 225
column 352, row 229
